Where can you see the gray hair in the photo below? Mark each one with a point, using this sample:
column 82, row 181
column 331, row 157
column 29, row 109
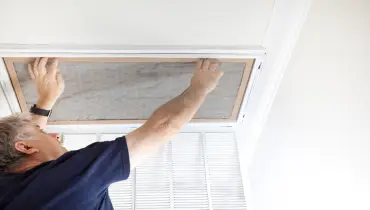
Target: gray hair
column 13, row 128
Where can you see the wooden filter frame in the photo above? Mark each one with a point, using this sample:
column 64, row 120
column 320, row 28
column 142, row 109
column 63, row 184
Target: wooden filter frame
column 9, row 62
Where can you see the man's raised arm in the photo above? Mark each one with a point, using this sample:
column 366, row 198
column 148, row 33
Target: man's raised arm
column 49, row 84
column 168, row 119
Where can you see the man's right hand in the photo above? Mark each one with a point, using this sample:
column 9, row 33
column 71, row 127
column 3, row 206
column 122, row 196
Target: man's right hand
column 206, row 76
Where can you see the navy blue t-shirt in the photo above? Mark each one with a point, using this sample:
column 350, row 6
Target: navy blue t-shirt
column 76, row 180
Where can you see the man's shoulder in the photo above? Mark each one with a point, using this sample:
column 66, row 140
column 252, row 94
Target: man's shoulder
column 14, row 184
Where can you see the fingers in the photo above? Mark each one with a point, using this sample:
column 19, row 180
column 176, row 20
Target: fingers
column 35, row 66
column 30, row 70
column 55, row 63
column 59, row 78
column 54, row 67
column 220, row 74
column 39, row 67
column 211, row 64
column 42, row 66
column 36, row 63
column 214, row 66
column 60, row 82
column 206, row 63
column 199, row 64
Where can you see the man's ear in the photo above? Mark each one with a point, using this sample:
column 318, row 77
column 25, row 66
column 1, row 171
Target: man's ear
column 25, row 148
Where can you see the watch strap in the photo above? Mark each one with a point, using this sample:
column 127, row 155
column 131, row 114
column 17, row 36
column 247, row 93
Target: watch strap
column 41, row 112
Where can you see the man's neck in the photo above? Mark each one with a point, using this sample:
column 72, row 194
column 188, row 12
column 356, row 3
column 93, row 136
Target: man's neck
column 24, row 166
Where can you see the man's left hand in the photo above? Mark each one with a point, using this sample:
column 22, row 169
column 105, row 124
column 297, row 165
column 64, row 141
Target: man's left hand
column 48, row 80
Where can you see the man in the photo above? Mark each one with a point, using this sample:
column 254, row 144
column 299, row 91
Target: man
column 36, row 172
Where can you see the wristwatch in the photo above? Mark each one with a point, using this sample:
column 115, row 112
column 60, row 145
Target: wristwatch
column 41, row 112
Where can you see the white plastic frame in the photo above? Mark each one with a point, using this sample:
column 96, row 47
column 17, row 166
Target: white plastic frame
column 161, row 52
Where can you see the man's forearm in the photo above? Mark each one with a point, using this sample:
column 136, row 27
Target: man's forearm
column 180, row 110
column 166, row 121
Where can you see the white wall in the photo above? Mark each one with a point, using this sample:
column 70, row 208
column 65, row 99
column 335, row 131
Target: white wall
column 142, row 22
column 314, row 152
column 4, row 106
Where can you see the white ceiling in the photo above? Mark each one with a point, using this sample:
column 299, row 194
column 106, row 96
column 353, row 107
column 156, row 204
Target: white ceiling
column 140, row 22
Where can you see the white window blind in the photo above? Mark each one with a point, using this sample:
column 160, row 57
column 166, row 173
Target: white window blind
column 225, row 181
column 193, row 171
column 189, row 172
column 152, row 190
column 78, row 141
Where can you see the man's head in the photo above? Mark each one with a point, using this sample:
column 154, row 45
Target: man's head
column 21, row 141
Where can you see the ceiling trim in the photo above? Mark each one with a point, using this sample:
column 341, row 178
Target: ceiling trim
column 151, row 51
column 126, row 128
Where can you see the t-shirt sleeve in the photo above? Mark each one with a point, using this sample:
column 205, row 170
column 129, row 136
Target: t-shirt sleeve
column 100, row 164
